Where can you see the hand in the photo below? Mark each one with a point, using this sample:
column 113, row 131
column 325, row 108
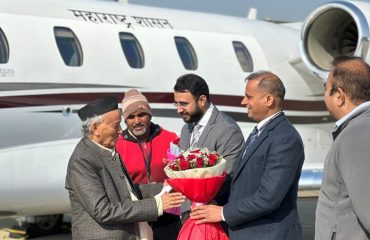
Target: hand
column 172, row 200
column 206, row 213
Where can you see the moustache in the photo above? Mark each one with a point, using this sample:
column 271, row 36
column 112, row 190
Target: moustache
column 138, row 125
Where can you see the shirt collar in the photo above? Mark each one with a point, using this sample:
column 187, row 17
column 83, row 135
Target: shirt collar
column 348, row 115
column 204, row 120
column 261, row 125
column 112, row 151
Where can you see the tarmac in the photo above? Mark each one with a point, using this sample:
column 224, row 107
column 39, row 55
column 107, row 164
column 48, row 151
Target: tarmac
column 8, row 223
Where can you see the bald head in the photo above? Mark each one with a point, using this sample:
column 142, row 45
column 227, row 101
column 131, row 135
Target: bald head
column 269, row 83
column 352, row 75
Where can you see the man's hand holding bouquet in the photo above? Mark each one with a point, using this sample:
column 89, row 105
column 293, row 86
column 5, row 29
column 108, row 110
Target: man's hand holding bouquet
column 199, row 175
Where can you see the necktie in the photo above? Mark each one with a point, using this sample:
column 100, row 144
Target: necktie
column 252, row 137
column 196, row 135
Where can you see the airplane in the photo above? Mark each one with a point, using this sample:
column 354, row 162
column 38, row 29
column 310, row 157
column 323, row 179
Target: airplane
column 55, row 56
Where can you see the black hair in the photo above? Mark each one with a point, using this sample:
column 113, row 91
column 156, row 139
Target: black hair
column 194, row 84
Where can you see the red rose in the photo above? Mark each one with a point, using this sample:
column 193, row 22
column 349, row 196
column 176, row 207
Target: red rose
column 174, row 166
column 199, row 163
column 212, row 159
column 191, row 157
column 184, row 165
column 197, row 150
column 176, row 141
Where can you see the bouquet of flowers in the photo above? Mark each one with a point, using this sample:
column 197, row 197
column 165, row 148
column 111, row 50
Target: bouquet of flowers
column 199, row 175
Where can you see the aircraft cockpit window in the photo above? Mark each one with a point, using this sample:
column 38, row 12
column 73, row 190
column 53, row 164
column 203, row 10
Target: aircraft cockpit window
column 132, row 49
column 244, row 57
column 4, row 48
column 69, row 46
column 187, row 53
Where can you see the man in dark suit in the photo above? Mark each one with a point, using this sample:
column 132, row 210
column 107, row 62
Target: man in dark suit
column 105, row 204
column 264, row 180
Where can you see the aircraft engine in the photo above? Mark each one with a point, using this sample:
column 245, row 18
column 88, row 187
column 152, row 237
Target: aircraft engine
column 334, row 29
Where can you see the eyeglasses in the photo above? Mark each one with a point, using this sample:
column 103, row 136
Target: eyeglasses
column 181, row 104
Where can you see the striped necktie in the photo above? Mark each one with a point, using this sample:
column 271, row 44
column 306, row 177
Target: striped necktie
column 196, row 135
column 252, row 137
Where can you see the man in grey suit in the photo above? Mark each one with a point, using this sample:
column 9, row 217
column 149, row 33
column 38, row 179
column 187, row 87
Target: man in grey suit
column 105, row 203
column 343, row 208
column 262, row 203
column 205, row 125
column 215, row 130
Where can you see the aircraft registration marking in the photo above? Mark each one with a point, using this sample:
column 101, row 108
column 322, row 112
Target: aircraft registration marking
column 6, row 72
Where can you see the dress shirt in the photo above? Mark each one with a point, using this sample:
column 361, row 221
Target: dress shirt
column 359, row 107
column 203, row 121
column 261, row 125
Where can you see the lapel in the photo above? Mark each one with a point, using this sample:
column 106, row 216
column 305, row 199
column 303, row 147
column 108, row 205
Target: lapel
column 185, row 138
column 208, row 127
column 257, row 143
column 115, row 167
column 339, row 129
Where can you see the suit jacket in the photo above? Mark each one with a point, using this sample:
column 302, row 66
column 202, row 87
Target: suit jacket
column 264, row 185
column 100, row 199
column 343, row 208
column 221, row 134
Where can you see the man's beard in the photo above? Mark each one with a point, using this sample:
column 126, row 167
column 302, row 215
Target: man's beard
column 139, row 133
column 195, row 116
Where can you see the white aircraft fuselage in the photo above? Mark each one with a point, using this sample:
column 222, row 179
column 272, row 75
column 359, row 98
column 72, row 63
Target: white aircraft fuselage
column 40, row 93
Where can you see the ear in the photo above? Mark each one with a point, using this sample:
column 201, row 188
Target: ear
column 269, row 100
column 95, row 129
column 202, row 101
column 340, row 97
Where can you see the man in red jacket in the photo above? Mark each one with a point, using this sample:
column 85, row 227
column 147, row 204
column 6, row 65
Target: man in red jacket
column 143, row 145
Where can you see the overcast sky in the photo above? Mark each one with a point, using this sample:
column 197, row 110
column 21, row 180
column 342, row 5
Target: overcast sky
column 285, row 10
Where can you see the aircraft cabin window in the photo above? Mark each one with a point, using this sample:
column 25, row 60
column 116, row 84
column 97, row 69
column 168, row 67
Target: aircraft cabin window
column 4, row 48
column 187, row 53
column 69, row 46
column 132, row 49
column 244, row 57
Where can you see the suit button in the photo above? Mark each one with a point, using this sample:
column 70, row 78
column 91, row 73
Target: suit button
column 122, row 177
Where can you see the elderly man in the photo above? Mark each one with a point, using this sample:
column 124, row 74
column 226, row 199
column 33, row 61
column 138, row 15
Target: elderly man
column 343, row 207
column 143, row 145
column 105, row 204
